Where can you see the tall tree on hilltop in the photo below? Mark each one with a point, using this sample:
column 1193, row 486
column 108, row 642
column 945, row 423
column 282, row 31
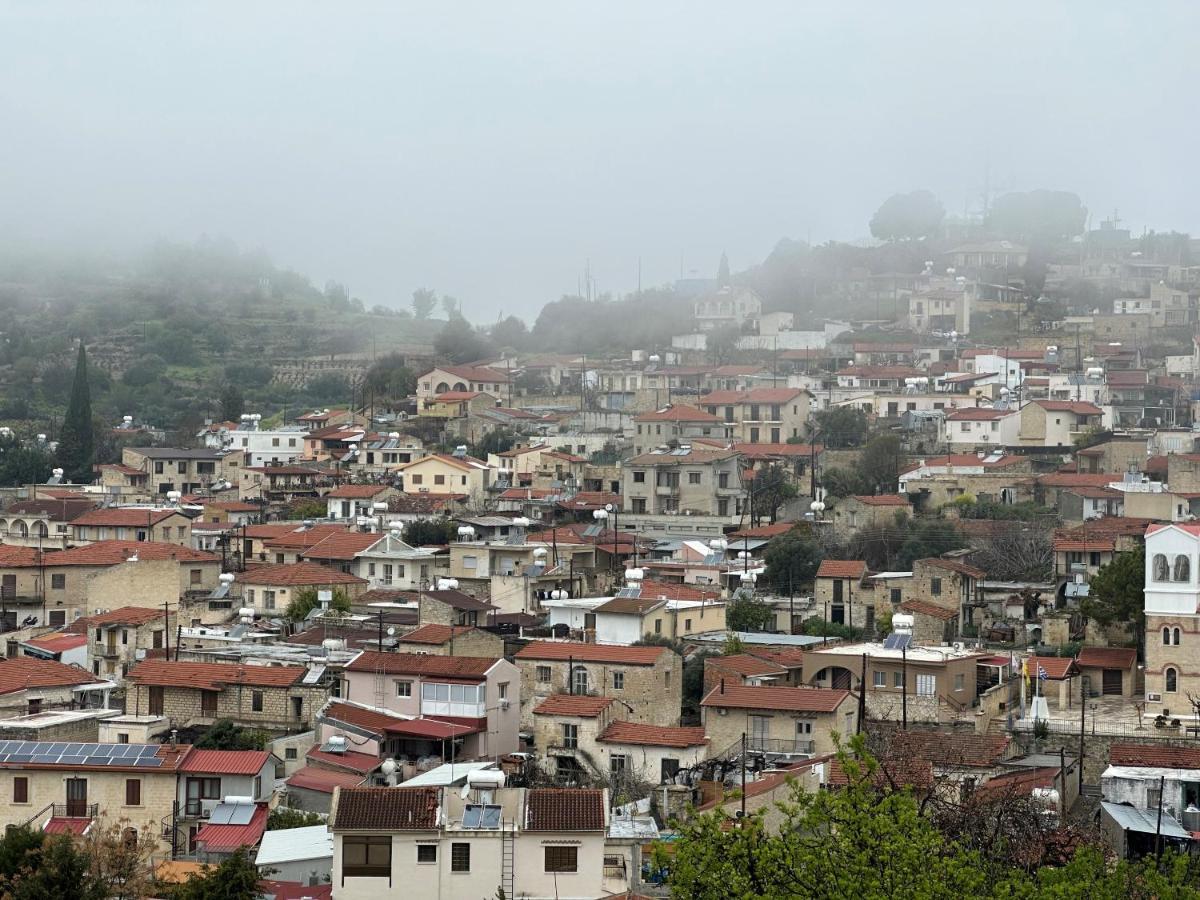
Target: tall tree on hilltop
column 723, row 270
column 75, row 442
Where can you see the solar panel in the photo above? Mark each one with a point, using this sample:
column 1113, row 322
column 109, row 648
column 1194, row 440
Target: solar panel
column 242, row 813
column 222, row 814
column 150, row 763
column 897, row 642
column 481, row 816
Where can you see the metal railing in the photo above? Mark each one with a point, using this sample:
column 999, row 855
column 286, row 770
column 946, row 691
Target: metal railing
column 65, row 811
column 782, row 746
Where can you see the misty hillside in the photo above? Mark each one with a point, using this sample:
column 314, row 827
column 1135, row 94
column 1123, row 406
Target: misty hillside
column 167, row 330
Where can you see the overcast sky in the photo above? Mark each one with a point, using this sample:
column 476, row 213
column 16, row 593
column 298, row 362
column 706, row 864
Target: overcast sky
column 489, row 151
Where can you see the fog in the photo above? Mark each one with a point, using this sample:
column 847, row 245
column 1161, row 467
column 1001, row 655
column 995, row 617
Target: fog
column 490, row 151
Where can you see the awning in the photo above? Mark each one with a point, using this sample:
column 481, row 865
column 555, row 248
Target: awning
column 1145, row 821
column 429, row 728
column 228, row 838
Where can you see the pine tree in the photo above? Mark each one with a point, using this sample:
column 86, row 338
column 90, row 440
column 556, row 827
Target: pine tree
column 75, row 442
column 723, row 271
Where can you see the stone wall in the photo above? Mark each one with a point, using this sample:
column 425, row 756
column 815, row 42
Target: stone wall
column 651, row 694
column 182, row 705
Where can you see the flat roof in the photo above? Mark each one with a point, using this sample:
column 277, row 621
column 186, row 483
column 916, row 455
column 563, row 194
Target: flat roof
column 757, row 637
column 447, row 774
column 915, row 654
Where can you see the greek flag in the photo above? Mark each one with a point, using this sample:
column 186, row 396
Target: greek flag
column 1042, row 676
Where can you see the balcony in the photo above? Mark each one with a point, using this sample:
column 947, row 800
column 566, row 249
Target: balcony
column 666, row 490
column 561, row 750
column 70, row 810
column 780, row 746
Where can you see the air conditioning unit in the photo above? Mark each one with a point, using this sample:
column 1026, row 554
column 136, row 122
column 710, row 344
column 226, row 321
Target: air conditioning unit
column 1153, row 698
column 504, row 702
column 207, row 807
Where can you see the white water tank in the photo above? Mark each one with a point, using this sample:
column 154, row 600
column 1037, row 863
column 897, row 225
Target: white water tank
column 485, row 779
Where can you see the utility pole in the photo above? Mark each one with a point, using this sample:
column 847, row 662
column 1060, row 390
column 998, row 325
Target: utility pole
column 1158, row 826
column 862, row 696
column 167, row 627
column 904, row 688
column 742, row 811
column 1082, row 728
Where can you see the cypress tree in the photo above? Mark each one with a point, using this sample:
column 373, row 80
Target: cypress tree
column 75, row 441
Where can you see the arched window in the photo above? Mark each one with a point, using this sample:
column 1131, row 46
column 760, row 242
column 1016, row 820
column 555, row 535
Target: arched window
column 1183, row 568
column 1166, row 637
column 1161, row 571
column 441, row 388
column 459, row 386
column 1177, row 635
column 1172, row 681
column 3, row 526
column 21, row 528
column 129, row 837
column 40, row 530
column 579, row 680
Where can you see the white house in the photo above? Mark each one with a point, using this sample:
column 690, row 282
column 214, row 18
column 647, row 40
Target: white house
column 981, row 426
column 390, row 563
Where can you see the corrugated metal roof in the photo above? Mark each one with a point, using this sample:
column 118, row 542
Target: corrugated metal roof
column 1130, row 818
column 294, row 845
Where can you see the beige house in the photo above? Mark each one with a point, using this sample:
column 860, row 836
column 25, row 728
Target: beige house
column 193, row 693
column 132, row 523
column 678, row 423
column 29, row 686
column 189, row 471
column 73, row 793
column 783, row 721
column 856, row 512
column 44, row 524
column 701, row 481
column 463, row 379
column 446, row 843
column 272, row 588
column 441, row 473
column 1056, row 423
column 645, row 680
column 761, row 415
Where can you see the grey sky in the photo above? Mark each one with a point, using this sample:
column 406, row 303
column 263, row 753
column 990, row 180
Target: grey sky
column 489, row 150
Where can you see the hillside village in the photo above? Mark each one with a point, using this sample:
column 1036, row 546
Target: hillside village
column 513, row 629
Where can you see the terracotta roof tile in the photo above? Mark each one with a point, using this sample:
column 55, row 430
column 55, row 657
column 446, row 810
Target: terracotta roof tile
column 652, row 735
column 357, row 491
column 599, row 653
column 21, row 673
column 842, row 568
column 924, row 608
column 19, row 557
column 746, row 664
column 342, row 546
column 126, row 615
column 323, row 781
column 299, row 574
column 472, row 667
column 1107, row 657
column 124, row 517
column 951, row 565
column 212, row 676
column 1155, row 755
column 792, row 699
column 379, row 809
column 111, row 553
column 950, row 748
column 677, row 413
column 573, row 705
column 1055, row 667
column 881, row 500
column 565, row 809
column 435, row 633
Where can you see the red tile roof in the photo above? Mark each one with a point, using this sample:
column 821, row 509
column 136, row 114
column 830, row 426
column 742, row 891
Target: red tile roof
column 565, row 809
column 1107, row 657
column 952, row 565
column 342, row 546
column 978, row 414
column 380, row 809
column 111, row 553
column 435, row 633
column 384, row 723
column 597, row 653
column 652, row 735
column 124, row 517
column 1154, row 755
column 1056, row 667
column 67, row 825
column 1077, row 479
column 1016, row 784
column 225, row 762
column 842, row 568
column 791, row 699
column 1099, row 545
column 21, row 673
column 573, row 705
column 746, row 664
column 228, row 838
column 765, row 532
column 301, row 574
column 679, row 413
column 58, row 643
column 950, row 748
column 313, row 778
column 924, row 608
column 881, row 499
column 1078, row 407
column 19, row 557
column 484, row 374
column 357, row 491
column 126, row 615
column 673, row 590
column 212, row 676
column 474, row 668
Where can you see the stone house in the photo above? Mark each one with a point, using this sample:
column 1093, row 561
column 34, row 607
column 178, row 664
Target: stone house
column 761, row 415
column 1056, row 423
column 834, row 588
column 132, row 523
column 986, row 475
column 452, row 607
column 783, row 721
column 73, row 793
column 948, row 583
column 456, row 846
column 757, row 667
column 1108, row 671
column 677, row 423
column 272, row 588
column 852, row 513
column 281, row 698
column 932, row 624
column 689, row 479
column 29, row 686
column 120, row 638
column 189, row 471
column 477, row 693
column 646, row 680
column 581, row 735
column 451, row 640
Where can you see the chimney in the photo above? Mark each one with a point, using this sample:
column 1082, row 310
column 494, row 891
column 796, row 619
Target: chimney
column 722, row 685
column 174, row 737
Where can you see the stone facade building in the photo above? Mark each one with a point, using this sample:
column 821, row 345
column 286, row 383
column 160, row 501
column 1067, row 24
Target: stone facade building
column 787, row 721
